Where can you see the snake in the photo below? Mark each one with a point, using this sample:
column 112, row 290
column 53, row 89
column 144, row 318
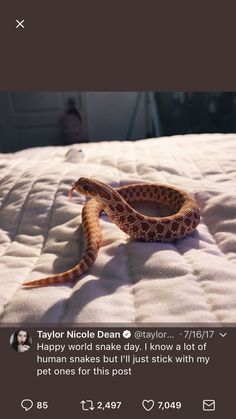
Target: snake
column 116, row 203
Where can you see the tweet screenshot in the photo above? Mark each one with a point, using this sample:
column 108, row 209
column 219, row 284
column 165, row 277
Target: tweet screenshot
column 117, row 211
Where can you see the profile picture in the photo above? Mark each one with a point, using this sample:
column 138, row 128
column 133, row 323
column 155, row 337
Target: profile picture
column 21, row 341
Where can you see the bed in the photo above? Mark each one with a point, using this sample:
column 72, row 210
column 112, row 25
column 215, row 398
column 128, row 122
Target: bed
column 192, row 280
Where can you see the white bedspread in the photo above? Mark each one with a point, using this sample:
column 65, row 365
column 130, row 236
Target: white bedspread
column 191, row 280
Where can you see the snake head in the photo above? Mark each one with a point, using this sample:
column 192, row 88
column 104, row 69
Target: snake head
column 95, row 188
column 84, row 186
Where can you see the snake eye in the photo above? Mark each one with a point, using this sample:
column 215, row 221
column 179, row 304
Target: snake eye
column 89, row 190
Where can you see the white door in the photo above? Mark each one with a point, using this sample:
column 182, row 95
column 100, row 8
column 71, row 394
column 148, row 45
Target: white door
column 31, row 119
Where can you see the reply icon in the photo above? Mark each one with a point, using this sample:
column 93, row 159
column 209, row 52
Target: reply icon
column 27, row 404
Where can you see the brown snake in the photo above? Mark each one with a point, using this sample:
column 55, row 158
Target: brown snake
column 115, row 202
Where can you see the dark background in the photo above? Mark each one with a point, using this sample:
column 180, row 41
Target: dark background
column 35, row 119
column 187, row 383
column 196, row 112
column 148, row 45
column 151, row 45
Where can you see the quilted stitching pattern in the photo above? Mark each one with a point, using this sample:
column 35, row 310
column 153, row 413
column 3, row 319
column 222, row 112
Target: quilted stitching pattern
column 192, row 280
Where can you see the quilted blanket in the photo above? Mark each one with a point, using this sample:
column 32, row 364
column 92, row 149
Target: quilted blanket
column 192, row 280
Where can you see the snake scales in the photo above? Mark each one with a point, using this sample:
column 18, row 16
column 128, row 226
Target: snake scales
column 115, row 202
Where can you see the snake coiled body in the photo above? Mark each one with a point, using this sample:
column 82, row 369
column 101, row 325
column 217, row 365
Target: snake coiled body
column 116, row 204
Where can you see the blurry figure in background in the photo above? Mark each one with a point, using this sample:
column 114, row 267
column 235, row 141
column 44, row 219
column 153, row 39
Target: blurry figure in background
column 72, row 124
column 20, row 341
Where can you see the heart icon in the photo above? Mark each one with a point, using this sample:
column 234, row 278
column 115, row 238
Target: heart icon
column 148, row 404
